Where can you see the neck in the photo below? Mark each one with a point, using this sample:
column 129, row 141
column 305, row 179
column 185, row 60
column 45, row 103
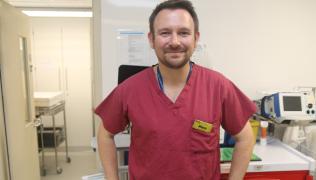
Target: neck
column 174, row 76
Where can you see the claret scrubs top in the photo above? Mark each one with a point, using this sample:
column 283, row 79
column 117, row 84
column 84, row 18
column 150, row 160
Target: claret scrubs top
column 164, row 146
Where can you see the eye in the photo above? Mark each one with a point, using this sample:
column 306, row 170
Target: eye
column 164, row 33
column 184, row 33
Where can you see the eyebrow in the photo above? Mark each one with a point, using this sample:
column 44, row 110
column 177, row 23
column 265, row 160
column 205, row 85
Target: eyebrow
column 168, row 29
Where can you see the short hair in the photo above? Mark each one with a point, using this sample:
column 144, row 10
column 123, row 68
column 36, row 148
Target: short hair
column 174, row 4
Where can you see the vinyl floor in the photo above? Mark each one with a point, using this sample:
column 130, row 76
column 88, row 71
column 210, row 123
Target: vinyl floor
column 82, row 163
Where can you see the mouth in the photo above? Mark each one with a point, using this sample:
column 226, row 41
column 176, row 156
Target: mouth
column 175, row 55
column 175, row 52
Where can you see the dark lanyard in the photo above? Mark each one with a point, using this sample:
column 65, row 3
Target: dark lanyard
column 160, row 80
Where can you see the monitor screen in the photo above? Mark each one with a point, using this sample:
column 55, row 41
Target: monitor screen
column 292, row 103
column 126, row 71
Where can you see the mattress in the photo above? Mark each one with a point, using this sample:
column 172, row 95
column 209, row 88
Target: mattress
column 47, row 99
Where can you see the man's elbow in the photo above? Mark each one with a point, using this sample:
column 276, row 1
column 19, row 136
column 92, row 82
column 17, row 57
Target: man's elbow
column 103, row 134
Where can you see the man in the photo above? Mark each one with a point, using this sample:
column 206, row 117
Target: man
column 175, row 109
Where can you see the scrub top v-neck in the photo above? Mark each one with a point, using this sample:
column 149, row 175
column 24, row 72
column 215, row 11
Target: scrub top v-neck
column 181, row 97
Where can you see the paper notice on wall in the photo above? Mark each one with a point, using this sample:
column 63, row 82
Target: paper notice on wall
column 133, row 48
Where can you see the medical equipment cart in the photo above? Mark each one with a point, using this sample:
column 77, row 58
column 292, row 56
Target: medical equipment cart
column 53, row 136
column 41, row 145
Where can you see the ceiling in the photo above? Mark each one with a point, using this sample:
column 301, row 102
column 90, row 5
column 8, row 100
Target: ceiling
column 51, row 3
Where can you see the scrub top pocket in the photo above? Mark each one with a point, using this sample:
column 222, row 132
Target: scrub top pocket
column 204, row 158
column 201, row 142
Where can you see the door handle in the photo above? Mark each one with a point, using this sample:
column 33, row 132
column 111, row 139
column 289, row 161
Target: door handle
column 37, row 122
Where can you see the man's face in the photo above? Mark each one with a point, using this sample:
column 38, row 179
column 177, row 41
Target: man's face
column 174, row 38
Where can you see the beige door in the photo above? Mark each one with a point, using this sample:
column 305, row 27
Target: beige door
column 4, row 163
column 17, row 94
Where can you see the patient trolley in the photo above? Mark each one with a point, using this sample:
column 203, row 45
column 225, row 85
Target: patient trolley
column 52, row 137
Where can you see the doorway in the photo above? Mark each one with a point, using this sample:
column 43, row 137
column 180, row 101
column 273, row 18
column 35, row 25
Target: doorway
column 62, row 63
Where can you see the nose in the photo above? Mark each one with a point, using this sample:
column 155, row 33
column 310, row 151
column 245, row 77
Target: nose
column 174, row 41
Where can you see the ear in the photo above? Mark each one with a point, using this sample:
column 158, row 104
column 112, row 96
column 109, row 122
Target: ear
column 196, row 37
column 151, row 39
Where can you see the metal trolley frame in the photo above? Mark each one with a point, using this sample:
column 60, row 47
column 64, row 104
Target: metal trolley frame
column 52, row 111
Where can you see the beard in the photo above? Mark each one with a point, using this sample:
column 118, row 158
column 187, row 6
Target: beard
column 169, row 61
column 175, row 65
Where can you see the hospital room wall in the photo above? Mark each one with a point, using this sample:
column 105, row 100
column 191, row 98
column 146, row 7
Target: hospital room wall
column 62, row 59
column 263, row 45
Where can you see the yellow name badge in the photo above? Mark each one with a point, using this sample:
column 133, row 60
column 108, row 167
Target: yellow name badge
column 202, row 126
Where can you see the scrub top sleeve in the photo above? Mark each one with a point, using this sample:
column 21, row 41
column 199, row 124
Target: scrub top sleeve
column 112, row 112
column 237, row 109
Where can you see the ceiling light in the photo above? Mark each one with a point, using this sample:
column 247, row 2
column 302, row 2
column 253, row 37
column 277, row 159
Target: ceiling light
column 58, row 13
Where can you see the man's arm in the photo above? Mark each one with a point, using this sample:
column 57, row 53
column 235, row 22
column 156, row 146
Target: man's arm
column 242, row 153
column 107, row 152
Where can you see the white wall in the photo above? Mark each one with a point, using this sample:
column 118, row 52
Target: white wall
column 61, row 53
column 261, row 45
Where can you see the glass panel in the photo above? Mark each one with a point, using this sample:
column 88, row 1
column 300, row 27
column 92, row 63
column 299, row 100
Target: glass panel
column 25, row 78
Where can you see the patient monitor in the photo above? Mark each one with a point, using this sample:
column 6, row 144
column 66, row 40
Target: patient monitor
column 297, row 106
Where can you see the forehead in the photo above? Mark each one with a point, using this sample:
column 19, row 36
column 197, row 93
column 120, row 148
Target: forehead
column 170, row 18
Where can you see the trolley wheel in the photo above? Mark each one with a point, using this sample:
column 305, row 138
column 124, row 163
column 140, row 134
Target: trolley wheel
column 59, row 170
column 43, row 172
column 68, row 160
